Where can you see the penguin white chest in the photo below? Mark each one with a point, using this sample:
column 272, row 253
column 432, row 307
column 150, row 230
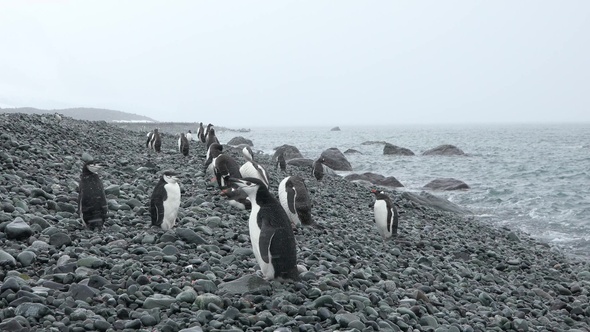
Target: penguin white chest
column 171, row 205
column 381, row 219
column 266, row 268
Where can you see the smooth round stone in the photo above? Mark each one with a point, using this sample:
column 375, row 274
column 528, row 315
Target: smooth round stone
column 6, row 258
column 11, row 283
column 101, row 325
column 202, row 301
column 60, row 239
column 148, row 320
column 188, row 296
column 158, row 301
column 18, row 229
column 26, row 258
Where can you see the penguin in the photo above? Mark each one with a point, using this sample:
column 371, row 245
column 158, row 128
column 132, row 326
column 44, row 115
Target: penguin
column 201, row 133
column 183, row 145
column 386, row 216
column 295, row 200
column 318, row 168
column 222, row 165
column 211, row 138
column 154, row 141
column 189, row 136
column 281, row 163
column 271, row 234
column 149, row 139
column 237, row 198
column 165, row 201
column 251, row 168
column 92, row 202
column 206, row 132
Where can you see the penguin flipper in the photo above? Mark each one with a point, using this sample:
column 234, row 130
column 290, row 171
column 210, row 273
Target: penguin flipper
column 264, row 244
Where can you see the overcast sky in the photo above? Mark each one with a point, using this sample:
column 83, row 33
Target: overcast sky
column 301, row 62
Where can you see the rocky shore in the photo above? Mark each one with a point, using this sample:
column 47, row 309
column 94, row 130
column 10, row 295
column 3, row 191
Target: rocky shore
column 445, row 271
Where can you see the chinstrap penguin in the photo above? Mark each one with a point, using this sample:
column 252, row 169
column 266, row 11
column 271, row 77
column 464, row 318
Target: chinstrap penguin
column 211, row 138
column 251, row 168
column 386, row 216
column 295, row 200
column 224, row 166
column 271, row 234
column 154, row 141
column 165, row 201
column 281, row 163
column 237, row 198
column 92, row 202
column 183, row 145
column 318, row 168
column 201, row 133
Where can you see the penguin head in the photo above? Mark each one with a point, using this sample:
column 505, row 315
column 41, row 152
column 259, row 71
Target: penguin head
column 170, row 176
column 248, row 185
column 92, row 166
column 248, row 154
column 189, row 131
column 379, row 194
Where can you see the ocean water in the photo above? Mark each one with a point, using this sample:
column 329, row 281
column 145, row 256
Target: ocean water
column 531, row 177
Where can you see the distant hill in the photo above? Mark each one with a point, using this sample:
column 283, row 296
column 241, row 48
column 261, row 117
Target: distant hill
column 84, row 113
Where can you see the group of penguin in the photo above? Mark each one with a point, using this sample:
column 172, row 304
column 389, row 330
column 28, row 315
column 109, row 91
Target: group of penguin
column 271, row 220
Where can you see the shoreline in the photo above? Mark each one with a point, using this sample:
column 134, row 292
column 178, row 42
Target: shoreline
column 445, row 272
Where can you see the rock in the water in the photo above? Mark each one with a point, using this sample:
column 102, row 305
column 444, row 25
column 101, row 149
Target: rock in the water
column 352, row 151
column 335, row 129
column 239, row 140
column 336, row 160
column 446, row 184
column 435, row 202
column 289, row 151
column 376, row 179
column 18, row 229
column 444, row 150
column 390, row 149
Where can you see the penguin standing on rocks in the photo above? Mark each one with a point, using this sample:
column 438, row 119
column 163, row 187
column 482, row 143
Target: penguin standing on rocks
column 183, row 145
column 318, row 169
column 92, row 202
column 223, row 165
column 154, row 141
column 211, row 138
column 386, row 216
column 189, row 136
column 201, row 133
column 237, row 198
column 252, row 169
column 165, row 201
column 281, row 163
column 271, row 234
column 295, row 200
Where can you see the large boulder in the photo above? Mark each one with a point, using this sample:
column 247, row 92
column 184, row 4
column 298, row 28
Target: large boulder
column 289, row 151
column 435, row 202
column 335, row 129
column 444, row 150
column 336, row 160
column 396, row 150
column 374, row 178
column 352, row 151
column 446, row 184
column 239, row 140
column 300, row 162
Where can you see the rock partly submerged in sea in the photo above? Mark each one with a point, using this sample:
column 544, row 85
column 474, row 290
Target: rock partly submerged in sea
column 444, row 150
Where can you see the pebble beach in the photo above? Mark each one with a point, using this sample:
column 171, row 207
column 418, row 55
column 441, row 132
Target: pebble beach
column 444, row 272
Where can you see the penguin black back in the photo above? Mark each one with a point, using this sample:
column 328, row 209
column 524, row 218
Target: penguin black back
column 183, row 144
column 271, row 234
column 92, row 202
column 318, row 169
